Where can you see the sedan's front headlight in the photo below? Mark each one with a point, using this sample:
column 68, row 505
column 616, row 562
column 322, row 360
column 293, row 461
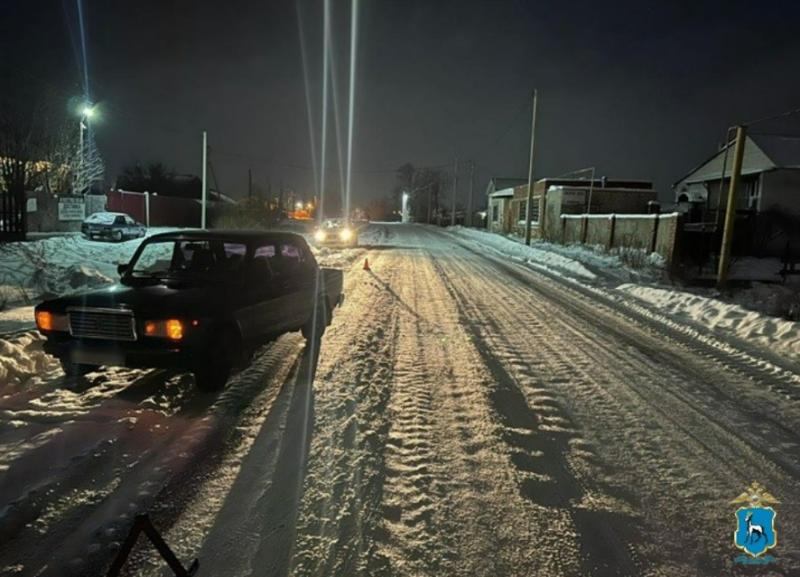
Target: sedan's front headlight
column 346, row 234
column 171, row 329
column 319, row 236
column 47, row 321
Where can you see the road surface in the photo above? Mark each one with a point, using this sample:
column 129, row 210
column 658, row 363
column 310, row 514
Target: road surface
column 464, row 416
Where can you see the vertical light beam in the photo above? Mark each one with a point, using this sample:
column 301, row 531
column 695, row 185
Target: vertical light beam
column 326, row 26
column 86, row 94
column 351, row 108
column 309, row 109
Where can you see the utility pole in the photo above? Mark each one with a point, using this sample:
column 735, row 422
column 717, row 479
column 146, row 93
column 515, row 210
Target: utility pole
column 455, row 192
column 205, row 181
column 249, row 184
column 730, row 210
column 530, row 173
column 468, row 217
column 430, row 205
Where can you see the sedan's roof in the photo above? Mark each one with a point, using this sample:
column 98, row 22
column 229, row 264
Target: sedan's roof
column 232, row 235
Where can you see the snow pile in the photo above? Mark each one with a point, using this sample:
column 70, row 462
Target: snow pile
column 16, row 319
column 59, row 265
column 731, row 318
column 587, row 263
column 22, row 359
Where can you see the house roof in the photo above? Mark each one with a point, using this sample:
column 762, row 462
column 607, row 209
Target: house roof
column 762, row 152
column 783, row 151
column 502, row 183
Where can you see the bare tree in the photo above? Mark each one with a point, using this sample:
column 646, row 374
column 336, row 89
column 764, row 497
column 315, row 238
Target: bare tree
column 89, row 167
column 20, row 166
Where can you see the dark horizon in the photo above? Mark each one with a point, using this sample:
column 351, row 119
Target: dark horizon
column 640, row 92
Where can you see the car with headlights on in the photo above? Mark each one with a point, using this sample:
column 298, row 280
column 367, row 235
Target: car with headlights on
column 337, row 233
column 200, row 301
column 116, row 226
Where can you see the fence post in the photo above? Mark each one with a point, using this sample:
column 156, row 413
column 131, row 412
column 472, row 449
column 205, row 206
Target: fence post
column 656, row 218
column 612, row 226
column 584, row 228
column 563, row 229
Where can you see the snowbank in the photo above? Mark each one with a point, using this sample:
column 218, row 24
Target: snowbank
column 22, row 360
column 575, row 260
column 777, row 334
column 59, row 265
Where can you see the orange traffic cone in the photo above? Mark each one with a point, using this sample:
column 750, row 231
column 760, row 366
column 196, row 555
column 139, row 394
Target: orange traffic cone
column 366, row 264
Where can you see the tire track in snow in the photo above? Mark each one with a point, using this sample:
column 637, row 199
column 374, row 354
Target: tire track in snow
column 339, row 516
column 619, row 377
column 541, row 435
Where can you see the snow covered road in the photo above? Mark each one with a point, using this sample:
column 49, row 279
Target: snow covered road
column 465, row 416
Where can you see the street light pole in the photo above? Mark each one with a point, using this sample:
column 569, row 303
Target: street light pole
column 530, row 173
column 205, row 181
column 86, row 113
column 455, row 192
column 468, row 217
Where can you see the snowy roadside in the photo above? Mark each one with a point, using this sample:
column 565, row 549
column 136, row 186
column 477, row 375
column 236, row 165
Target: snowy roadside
column 752, row 314
column 576, row 261
column 58, row 265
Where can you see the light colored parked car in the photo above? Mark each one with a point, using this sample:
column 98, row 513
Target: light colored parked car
column 116, row 226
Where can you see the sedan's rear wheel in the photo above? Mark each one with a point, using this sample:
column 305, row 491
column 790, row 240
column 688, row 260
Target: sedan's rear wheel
column 315, row 326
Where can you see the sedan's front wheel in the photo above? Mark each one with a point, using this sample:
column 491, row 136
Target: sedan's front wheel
column 77, row 369
column 213, row 372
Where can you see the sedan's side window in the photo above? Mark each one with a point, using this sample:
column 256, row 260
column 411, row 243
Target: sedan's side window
column 292, row 259
column 261, row 269
column 120, row 220
column 129, row 221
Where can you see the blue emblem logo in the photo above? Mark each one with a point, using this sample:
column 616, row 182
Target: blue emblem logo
column 755, row 521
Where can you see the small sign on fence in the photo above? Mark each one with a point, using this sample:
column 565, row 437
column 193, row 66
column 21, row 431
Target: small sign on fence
column 71, row 208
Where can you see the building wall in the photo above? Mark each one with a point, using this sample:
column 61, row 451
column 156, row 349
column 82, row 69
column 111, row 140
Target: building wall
column 503, row 223
column 45, row 217
column 780, row 189
column 575, row 200
column 164, row 210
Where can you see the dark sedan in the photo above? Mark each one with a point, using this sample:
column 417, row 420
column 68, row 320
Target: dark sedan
column 194, row 300
column 112, row 226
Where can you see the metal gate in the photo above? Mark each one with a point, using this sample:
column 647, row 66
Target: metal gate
column 12, row 217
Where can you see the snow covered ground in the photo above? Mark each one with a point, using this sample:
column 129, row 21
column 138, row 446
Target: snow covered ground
column 465, row 415
column 751, row 314
column 583, row 262
column 57, row 265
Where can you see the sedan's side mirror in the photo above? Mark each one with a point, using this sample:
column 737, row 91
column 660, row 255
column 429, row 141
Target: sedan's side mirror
column 122, row 268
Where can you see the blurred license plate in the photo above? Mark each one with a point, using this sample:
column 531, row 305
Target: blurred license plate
column 89, row 357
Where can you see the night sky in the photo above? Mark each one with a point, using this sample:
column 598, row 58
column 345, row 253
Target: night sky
column 639, row 89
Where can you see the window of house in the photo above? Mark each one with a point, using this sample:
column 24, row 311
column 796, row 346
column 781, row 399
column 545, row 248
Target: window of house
column 522, row 207
column 752, row 194
column 535, row 209
column 495, row 213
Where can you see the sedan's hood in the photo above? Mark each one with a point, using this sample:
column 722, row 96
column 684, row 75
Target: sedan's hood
column 150, row 300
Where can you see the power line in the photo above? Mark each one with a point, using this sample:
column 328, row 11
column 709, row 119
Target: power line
column 774, row 117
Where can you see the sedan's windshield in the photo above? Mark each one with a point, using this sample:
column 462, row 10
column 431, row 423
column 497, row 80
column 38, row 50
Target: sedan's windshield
column 171, row 258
